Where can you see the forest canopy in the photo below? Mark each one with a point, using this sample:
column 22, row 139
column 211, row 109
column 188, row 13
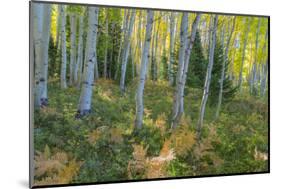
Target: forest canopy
column 125, row 94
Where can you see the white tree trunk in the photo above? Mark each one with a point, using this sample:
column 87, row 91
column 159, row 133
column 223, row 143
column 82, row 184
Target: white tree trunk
column 264, row 78
column 182, row 50
column 243, row 55
column 139, row 43
column 172, row 45
column 133, row 52
column 126, row 49
column 63, row 48
column 187, row 58
column 164, row 65
column 37, row 16
column 208, row 76
column 78, row 65
column 153, row 61
column 164, row 34
column 58, row 28
column 264, row 68
column 253, row 77
column 72, row 48
column 144, row 61
column 124, row 29
column 106, row 42
column 96, row 71
column 179, row 95
column 254, row 73
column 231, row 71
column 45, row 55
column 84, row 106
column 225, row 58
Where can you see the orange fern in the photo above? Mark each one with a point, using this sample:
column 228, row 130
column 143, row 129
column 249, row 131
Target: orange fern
column 54, row 169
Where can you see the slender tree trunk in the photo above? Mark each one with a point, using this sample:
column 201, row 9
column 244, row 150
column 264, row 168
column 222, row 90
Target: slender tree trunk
column 165, row 64
column 187, row 59
column 139, row 42
column 63, row 48
column 225, row 59
column 182, row 50
column 144, row 61
column 207, row 36
column 124, row 29
column 208, row 77
column 126, row 51
column 84, row 106
column 58, row 28
column 111, row 64
column 179, row 95
column 156, row 53
column 258, row 73
column 133, row 52
column 163, row 36
column 153, row 65
column 105, row 49
column 253, row 78
column 264, row 78
column 97, row 75
column 231, row 75
column 86, row 56
column 78, row 65
column 72, row 48
column 172, row 45
column 45, row 55
column 37, row 10
column 96, row 65
column 264, row 68
column 243, row 56
column 249, row 71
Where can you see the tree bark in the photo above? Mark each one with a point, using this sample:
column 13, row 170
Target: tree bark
column 144, row 61
column 37, row 15
column 208, row 77
column 182, row 73
column 139, row 42
column 45, row 56
column 231, row 72
column 84, row 106
column 243, row 56
column 133, row 52
column 58, row 29
column 225, row 58
column 264, row 68
column 264, row 78
column 182, row 50
column 126, row 51
column 154, row 67
column 254, row 70
column 78, row 65
column 105, row 49
column 165, row 64
column 72, row 48
column 186, row 63
column 124, row 29
column 63, row 48
column 172, row 45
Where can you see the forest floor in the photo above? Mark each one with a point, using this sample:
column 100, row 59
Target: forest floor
column 104, row 147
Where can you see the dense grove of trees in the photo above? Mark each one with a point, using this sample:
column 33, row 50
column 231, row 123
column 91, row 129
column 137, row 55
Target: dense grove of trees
column 80, row 49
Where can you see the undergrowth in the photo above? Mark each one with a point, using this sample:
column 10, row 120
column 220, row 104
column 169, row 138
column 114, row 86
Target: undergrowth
column 104, row 147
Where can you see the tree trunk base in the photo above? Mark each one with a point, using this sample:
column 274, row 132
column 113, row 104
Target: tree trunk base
column 198, row 133
column 82, row 113
column 176, row 120
column 44, row 102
